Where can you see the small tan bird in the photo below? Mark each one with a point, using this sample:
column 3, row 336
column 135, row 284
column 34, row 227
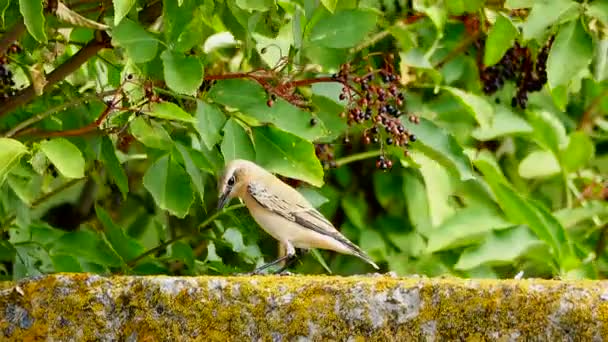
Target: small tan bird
column 282, row 212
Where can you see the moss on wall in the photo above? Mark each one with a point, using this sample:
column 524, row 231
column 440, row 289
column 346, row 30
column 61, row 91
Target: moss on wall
column 85, row 307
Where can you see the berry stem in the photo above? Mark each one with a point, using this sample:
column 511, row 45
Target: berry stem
column 357, row 157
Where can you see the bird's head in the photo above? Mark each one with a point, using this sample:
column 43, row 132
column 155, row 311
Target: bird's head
column 234, row 179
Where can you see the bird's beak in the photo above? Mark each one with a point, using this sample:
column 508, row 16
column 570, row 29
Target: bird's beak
column 223, row 199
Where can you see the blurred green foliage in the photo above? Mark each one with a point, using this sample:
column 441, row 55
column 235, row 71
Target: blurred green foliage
column 113, row 167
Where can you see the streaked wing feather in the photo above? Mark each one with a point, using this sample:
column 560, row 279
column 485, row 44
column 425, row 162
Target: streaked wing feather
column 306, row 217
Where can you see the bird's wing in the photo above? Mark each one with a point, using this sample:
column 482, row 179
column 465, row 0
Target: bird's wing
column 306, row 216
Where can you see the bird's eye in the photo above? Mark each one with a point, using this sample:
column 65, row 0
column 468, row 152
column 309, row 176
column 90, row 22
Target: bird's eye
column 231, row 181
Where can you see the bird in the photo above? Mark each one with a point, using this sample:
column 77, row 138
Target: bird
column 282, row 212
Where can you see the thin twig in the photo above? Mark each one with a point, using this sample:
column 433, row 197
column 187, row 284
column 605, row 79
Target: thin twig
column 166, row 244
column 61, row 72
column 39, row 117
column 357, row 157
column 585, row 122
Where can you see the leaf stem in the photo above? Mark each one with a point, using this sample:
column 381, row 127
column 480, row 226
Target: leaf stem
column 357, row 157
column 166, row 244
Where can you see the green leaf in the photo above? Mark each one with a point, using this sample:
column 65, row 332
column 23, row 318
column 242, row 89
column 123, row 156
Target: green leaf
column 544, row 14
column 66, row 157
column 211, row 253
column 467, row 226
column 234, row 238
column 504, row 123
column 317, row 255
column 140, row 45
column 170, row 111
column 500, row 38
column 121, row 9
column 579, row 151
column 33, row 17
column 313, row 196
column 343, row 29
column 373, row 244
column 11, row 151
column 124, row 245
column 168, row 183
column 179, row 250
column 477, row 106
column 442, row 147
column 570, row 217
column 151, row 134
column 195, row 175
column 255, row 5
column 250, row 99
column 570, row 53
column 598, row 9
column 539, row 164
column 7, row 251
column 108, row 153
column 210, row 121
column 549, row 131
column 438, row 187
column 86, row 245
column 331, row 7
column 502, row 247
column 287, row 155
column 66, row 263
column 183, row 74
column 236, row 143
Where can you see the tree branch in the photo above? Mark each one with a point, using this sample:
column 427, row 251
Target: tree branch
column 65, row 69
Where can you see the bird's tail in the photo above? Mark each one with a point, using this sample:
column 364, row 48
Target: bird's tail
column 356, row 251
column 359, row 253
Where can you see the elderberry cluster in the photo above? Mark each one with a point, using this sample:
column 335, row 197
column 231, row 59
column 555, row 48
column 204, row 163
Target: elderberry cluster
column 7, row 83
column 325, row 154
column 519, row 66
column 374, row 98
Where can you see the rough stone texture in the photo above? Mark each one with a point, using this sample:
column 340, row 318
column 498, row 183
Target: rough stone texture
column 84, row 307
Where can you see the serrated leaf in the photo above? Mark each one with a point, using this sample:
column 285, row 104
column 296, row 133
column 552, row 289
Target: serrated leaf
column 504, row 123
column 442, row 147
column 170, row 111
column 234, row 238
column 544, row 14
column 503, row 247
column 108, row 154
column 183, row 74
column 33, row 17
column 579, row 151
column 287, row 155
column 66, row 157
column 343, row 29
column 549, row 131
column 195, row 175
column 467, row 226
column 140, row 45
column 571, row 52
column 477, row 106
column 124, row 245
column 11, row 151
column 121, row 9
column 500, row 38
column 150, row 134
column 236, row 143
column 210, row 121
column 180, row 250
column 539, row 164
column 86, row 245
column 168, row 183
column 250, row 99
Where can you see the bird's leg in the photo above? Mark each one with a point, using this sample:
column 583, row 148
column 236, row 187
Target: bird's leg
column 290, row 262
column 290, row 252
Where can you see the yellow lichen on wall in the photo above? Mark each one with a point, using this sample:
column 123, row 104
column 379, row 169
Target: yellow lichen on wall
column 284, row 308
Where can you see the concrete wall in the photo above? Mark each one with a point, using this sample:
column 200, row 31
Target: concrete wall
column 83, row 307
